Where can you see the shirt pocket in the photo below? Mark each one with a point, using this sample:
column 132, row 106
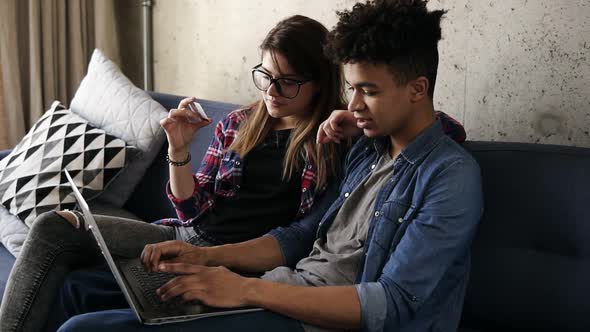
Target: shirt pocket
column 228, row 173
column 392, row 216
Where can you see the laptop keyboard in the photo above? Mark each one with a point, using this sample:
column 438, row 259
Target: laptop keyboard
column 149, row 282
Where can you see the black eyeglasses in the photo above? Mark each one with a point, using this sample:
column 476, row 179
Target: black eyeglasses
column 286, row 87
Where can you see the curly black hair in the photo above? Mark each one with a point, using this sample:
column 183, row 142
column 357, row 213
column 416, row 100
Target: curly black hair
column 400, row 33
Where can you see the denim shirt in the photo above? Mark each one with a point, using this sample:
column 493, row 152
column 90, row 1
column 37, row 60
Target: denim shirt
column 416, row 262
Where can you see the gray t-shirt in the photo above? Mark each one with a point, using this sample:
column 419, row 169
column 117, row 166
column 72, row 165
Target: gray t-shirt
column 336, row 259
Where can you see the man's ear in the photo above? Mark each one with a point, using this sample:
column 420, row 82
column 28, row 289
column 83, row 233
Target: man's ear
column 419, row 89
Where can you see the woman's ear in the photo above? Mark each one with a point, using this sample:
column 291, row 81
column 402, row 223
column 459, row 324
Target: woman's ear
column 419, row 88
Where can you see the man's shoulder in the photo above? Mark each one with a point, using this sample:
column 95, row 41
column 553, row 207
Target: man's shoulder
column 449, row 153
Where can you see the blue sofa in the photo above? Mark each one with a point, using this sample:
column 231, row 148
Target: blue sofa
column 149, row 202
column 531, row 257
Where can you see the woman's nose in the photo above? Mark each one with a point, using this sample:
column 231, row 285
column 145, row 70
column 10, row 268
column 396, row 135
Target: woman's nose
column 273, row 90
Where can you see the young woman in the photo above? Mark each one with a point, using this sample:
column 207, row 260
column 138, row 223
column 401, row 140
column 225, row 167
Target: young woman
column 262, row 170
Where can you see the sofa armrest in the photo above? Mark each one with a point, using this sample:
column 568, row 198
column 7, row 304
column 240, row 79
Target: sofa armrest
column 4, row 153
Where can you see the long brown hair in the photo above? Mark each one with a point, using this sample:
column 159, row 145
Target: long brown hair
column 301, row 41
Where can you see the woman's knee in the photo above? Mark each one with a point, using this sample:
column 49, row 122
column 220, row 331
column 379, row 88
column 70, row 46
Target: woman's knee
column 48, row 220
column 69, row 216
column 50, row 225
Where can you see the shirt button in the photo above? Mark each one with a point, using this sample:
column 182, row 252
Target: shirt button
column 347, row 194
column 373, row 166
column 238, row 163
column 400, row 220
column 308, row 166
column 377, row 214
column 238, row 186
column 304, row 189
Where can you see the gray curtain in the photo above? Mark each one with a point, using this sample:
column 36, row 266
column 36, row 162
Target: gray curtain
column 3, row 135
column 45, row 46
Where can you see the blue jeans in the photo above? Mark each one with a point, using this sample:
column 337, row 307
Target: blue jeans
column 124, row 320
column 85, row 291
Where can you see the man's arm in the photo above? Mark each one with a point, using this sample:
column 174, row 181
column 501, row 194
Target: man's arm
column 331, row 306
column 257, row 255
column 282, row 246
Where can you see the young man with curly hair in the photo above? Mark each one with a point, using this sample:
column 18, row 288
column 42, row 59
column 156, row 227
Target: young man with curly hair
column 388, row 249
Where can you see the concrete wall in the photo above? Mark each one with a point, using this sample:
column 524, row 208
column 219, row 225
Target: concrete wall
column 514, row 70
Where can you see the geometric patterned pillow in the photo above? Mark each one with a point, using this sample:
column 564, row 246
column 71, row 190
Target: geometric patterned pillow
column 32, row 180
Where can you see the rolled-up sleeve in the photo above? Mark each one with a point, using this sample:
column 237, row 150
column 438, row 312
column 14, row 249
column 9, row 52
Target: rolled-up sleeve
column 373, row 305
column 188, row 207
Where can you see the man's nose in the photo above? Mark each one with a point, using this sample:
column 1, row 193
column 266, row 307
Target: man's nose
column 356, row 102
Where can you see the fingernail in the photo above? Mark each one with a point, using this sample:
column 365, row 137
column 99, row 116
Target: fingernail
column 162, row 267
column 158, row 291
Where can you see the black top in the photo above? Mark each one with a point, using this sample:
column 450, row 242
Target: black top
column 263, row 200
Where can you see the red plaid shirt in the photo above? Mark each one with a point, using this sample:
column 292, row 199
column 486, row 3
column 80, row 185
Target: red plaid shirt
column 221, row 171
column 220, row 174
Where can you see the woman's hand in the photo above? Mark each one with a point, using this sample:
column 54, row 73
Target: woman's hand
column 214, row 286
column 171, row 252
column 339, row 125
column 179, row 130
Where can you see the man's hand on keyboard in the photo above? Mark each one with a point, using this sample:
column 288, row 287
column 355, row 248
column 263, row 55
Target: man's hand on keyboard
column 214, row 286
column 171, row 252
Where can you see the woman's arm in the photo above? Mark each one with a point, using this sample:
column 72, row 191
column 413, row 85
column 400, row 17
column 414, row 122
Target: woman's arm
column 179, row 132
column 182, row 183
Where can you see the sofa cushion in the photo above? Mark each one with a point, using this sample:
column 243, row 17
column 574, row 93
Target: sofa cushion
column 149, row 200
column 32, row 180
column 531, row 255
column 13, row 231
column 6, row 262
column 108, row 100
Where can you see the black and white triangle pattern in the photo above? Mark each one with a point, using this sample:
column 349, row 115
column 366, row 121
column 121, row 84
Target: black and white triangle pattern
column 31, row 177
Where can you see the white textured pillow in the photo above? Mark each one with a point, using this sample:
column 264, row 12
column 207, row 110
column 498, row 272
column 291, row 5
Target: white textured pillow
column 108, row 100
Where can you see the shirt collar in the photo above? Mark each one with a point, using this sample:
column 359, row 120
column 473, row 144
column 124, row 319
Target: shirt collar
column 420, row 146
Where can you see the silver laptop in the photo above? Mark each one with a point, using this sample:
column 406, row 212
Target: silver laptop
column 139, row 286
